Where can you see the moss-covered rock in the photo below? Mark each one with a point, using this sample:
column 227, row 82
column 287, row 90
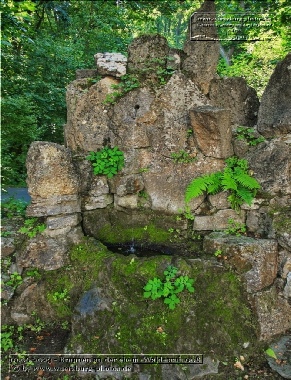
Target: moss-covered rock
column 215, row 320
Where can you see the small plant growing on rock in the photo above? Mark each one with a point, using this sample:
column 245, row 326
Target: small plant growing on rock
column 248, row 135
column 236, row 228
column 182, row 157
column 128, row 82
column 235, row 179
column 169, row 288
column 107, row 161
column 31, row 227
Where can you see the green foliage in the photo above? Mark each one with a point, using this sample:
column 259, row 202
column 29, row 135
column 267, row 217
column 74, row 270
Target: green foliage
column 164, row 74
column 169, row 288
column 13, row 207
column 271, row 353
column 61, row 296
column 218, row 253
column 128, row 82
column 32, row 227
column 107, row 161
column 236, row 228
column 15, row 280
column 17, row 134
column 248, row 135
column 182, row 157
column 143, row 194
column 234, row 178
column 34, row 273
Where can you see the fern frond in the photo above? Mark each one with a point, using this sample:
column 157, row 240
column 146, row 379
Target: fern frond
column 228, row 182
column 246, row 180
column 246, row 195
column 214, row 183
column 197, row 187
column 235, row 201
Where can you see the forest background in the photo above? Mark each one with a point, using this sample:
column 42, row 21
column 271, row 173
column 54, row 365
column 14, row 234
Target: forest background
column 44, row 42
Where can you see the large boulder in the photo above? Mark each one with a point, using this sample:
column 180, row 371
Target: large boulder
column 201, row 57
column 212, row 131
column 255, row 259
column 274, row 118
column 237, row 97
column 270, row 162
column 87, row 118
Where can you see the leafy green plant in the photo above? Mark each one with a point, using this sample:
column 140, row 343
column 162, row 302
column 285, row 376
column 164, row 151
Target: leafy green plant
column 13, row 207
column 169, row 288
column 218, row 253
column 107, row 161
column 236, row 228
column 234, row 178
column 143, row 170
column 164, row 74
column 143, row 194
column 248, row 135
column 182, row 157
column 128, row 82
column 33, row 273
column 15, row 280
column 31, row 227
column 61, row 296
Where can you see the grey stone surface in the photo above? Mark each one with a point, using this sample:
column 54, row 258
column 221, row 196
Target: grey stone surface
column 270, row 163
column 201, row 57
column 212, row 131
column 255, row 259
column 113, row 64
column 86, row 73
column 44, row 252
column 217, row 221
column 235, row 95
column 273, row 312
column 274, row 116
column 50, row 171
column 282, row 350
column 7, row 246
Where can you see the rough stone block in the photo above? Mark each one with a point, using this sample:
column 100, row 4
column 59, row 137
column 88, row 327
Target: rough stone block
column 50, row 171
column 270, row 162
column 128, row 201
column 93, row 202
column 44, row 253
column 255, row 259
column 212, row 131
column 202, row 57
column 241, row 101
column 60, row 221
column 218, row 221
column 7, row 246
column 274, row 313
column 113, row 64
column 87, row 73
column 274, row 117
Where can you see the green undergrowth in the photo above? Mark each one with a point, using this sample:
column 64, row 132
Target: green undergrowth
column 217, row 313
column 118, row 234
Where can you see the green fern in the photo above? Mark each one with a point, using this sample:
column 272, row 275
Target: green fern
column 234, row 179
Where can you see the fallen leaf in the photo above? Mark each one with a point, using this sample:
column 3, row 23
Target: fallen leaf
column 239, row 365
column 96, row 337
column 40, row 372
column 241, row 358
column 160, row 329
column 40, row 337
column 32, row 349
